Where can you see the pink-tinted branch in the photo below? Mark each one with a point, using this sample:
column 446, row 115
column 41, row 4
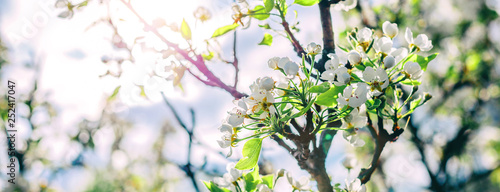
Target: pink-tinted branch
column 199, row 63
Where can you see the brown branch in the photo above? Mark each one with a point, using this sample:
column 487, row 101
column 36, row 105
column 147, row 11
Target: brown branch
column 282, row 143
column 328, row 37
column 296, row 45
column 381, row 140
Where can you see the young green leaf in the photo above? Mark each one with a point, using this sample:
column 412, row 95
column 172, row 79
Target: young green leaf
column 259, row 12
column 252, row 179
column 223, row 30
column 267, row 40
column 211, row 186
column 251, row 153
column 269, row 5
column 115, row 92
column 265, row 26
column 373, row 104
column 415, row 103
column 423, row 61
column 411, row 82
column 306, row 2
column 268, row 180
column 300, row 113
column 329, row 98
column 185, row 30
column 321, row 88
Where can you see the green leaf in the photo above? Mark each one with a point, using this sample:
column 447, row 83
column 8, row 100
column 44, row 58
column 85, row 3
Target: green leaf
column 115, row 93
column 355, row 78
column 472, row 61
column 321, row 88
column 306, row 2
column 300, row 113
column 415, row 103
column 252, row 179
column 267, row 40
column 211, row 186
column 185, row 30
column 265, row 26
column 423, row 61
column 269, row 5
column 283, row 7
column 373, row 104
column 411, row 82
column 360, row 67
column 268, row 180
column 223, row 30
column 329, row 98
column 259, row 12
column 251, row 153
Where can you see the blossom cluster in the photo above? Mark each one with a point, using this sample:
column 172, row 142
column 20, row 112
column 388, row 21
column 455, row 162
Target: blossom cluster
column 363, row 73
column 359, row 80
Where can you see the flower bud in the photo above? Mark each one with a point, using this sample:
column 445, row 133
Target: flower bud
column 280, row 173
column 349, row 162
column 390, row 29
column 291, row 69
column 354, row 57
column 273, row 63
column 389, row 61
column 427, row 97
column 415, row 89
column 267, row 83
column 313, row 49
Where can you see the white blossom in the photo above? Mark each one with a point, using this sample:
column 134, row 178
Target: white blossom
column 399, row 54
column 353, row 99
column 313, row 49
column 291, row 69
column 263, row 188
column 390, row 29
column 266, row 83
column 354, row 186
column 302, row 184
column 237, row 114
column 351, row 123
column 413, row 70
column 378, row 78
column 354, row 57
column 422, row 42
column 227, row 133
column 345, row 5
column 273, row 63
column 333, row 63
column 389, row 61
column 339, row 76
column 364, row 37
column 281, row 85
column 202, row 14
column 383, row 45
column 230, row 177
column 349, row 162
column 283, row 61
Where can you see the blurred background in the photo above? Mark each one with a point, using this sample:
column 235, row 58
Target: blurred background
column 81, row 128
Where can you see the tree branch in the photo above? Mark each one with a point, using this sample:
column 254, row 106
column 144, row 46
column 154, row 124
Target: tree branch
column 328, row 37
column 199, row 63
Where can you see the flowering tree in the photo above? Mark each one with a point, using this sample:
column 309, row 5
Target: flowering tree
column 333, row 88
column 368, row 82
